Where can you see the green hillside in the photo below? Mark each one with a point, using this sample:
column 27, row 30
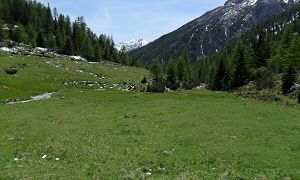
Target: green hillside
column 36, row 75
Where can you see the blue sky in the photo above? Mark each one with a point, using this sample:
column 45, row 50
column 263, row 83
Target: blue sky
column 130, row 19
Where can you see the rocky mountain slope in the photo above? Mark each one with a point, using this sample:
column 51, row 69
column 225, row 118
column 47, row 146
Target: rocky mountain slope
column 210, row 32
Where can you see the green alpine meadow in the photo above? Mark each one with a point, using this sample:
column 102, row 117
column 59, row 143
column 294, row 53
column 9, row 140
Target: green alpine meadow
column 218, row 98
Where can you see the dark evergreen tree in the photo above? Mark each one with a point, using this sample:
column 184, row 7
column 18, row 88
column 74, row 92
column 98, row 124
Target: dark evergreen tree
column 68, row 48
column 2, row 34
column 261, row 51
column 171, row 72
column 157, row 70
column 241, row 73
column 19, row 34
column 219, row 79
column 288, row 79
column 31, row 36
column 40, row 40
column 299, row 96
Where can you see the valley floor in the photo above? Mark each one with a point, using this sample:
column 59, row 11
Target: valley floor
column 91, row 127
column 114, row 134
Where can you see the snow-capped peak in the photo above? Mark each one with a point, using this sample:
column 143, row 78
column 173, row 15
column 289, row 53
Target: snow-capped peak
column 132, row 44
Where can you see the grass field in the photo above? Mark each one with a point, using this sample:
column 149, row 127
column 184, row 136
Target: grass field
column 83, row 133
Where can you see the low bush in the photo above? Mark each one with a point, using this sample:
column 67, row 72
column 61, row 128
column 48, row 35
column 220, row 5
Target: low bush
column 11, row 71
column 144, row 81
column 156, row 86
column 264, row 79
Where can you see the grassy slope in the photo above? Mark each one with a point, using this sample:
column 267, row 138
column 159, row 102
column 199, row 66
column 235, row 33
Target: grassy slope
column 42, row 74
column 116, row 134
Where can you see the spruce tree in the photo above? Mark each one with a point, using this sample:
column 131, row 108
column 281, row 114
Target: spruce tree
column 288, row 78
column 40, row 40
column 51, row 42
column 171, row 72
column 261, row 51
column 32, row 36
column 299, row 96
column 19, row 34
column 2, row 34
column 294, row 51
column 241, row 73
column 157, row 70
column 68, row 47
column 219, row 79
column 181, row 68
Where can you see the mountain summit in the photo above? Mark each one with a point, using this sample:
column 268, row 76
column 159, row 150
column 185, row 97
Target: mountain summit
column 210, row 32
column 132, row 44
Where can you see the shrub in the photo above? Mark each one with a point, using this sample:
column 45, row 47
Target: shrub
column 156, row 86
column 264, row 79
column 172, row 86
column 144, row 81
column 11, row 71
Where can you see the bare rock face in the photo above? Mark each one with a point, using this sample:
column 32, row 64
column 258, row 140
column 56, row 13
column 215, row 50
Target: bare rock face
column 210, row 32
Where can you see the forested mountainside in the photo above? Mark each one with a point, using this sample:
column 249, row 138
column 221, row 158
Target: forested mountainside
column 259, row 55
column 34, row 24
column 209, row 33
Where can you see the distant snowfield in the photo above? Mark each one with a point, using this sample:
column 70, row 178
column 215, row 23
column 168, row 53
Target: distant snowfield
column 132, row 44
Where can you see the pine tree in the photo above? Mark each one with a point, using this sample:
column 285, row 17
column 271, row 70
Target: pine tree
column 261, row 51
column 288, row 78
column 241, row 73
column 49, row 22
column 171, row 72
column 286, row 37
column 4, row 10
column 32, row 36
column 219, row 80
column 294, row 51
column 97, row 51
column 59, row 41
column 181, row 68
column 87, row 49
column 299, row 96
column 40, row 40
column 138, row 63
column 17, row 11
column 157, row 70
column 2, row 33
column 124, row 58
column 68, row 48
column 51, row 42
column 19, row 34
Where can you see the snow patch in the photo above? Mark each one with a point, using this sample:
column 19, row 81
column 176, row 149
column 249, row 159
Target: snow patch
column 34, row 98
column 78, row 58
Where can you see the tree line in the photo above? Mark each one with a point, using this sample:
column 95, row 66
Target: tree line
column 267, row 50
column 30, row 22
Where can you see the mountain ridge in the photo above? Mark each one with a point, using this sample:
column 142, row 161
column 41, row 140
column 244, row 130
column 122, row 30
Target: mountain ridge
column 132, row 44
column 211, row 31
